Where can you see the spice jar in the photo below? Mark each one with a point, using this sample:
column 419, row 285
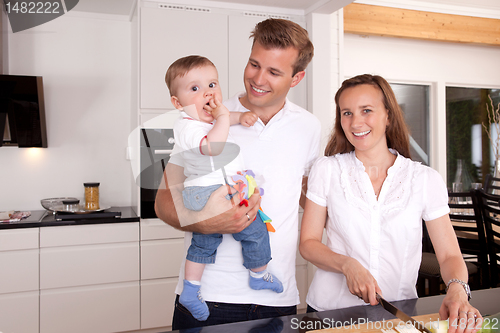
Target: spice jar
column 91, row 196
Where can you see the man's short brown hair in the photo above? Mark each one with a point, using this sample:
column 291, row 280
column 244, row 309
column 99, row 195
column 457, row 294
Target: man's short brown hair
column 181, row 66
column 281, row 34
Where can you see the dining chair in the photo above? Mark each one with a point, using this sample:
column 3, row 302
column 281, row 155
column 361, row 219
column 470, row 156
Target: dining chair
column 467, row 221
column 492, row 184
column 490, row 210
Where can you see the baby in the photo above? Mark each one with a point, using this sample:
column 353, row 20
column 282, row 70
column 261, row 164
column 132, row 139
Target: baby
column 202, row 132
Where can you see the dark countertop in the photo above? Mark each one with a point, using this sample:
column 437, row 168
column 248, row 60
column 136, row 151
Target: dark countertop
column 43, row 218
column 486, row 301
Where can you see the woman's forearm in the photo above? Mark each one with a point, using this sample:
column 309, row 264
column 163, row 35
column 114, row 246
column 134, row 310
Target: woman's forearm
column 323, row 257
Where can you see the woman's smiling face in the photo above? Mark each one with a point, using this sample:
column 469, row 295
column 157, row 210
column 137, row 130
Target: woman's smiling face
column 364, row 117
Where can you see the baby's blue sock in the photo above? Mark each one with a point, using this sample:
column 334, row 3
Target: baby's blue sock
column 192, row 300
column 265, row 280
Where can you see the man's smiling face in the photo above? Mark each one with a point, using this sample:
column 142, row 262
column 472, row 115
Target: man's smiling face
column 268, row 76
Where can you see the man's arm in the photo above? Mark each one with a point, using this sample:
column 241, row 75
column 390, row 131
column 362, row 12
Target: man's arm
column 303, row 192
column 218, row 216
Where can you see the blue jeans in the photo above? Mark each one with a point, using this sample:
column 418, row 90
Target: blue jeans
column 254, row 238
column 310, row 309
column 223, row 313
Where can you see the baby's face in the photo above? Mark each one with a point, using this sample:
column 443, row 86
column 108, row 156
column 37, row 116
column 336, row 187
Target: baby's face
column 196, row 89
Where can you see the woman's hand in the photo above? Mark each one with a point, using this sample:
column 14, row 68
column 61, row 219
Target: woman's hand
column 360, row 281
column 463, row 317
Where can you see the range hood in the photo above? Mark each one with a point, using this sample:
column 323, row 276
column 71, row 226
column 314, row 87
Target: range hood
column 22, row 111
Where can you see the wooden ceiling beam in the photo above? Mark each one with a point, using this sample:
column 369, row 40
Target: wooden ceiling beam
column 395, row 22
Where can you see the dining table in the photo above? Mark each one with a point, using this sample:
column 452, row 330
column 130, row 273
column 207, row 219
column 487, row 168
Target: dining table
column 363, row 319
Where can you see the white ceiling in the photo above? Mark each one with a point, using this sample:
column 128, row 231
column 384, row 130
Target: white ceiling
column 124, row 7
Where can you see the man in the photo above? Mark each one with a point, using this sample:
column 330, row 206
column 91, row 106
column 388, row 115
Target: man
column 281, row 146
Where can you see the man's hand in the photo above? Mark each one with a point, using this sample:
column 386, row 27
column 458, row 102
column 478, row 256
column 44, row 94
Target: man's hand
column 228, row 216
column 219, row 215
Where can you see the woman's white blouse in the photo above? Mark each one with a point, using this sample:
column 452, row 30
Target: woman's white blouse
column 385, row 236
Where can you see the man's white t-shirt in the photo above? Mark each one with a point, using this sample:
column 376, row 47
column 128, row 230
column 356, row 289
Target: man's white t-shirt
column 282, row 151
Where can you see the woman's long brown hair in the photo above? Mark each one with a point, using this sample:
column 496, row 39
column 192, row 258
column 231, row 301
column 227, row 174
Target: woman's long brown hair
column 397, row 133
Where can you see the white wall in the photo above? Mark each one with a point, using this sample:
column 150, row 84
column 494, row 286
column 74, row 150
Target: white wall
column 323, row 75
column 85, row 64
column 439, row 64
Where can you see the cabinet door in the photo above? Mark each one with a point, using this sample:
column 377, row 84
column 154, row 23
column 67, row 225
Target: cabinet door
column 70, row 266
column 89, row 234
column 161, row 258
column 19, row 271
column 19, row 312
column 165, row 36
column 157, row 302
column 97, row 309
column 19, row 239
column 157, row 229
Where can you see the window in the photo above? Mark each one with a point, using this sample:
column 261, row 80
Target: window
column 414, row 101
column 468, row 150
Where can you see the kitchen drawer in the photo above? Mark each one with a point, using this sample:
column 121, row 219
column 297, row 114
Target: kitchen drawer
column 19, row 271
column 89, row 234
column 157, row 229
column 161, row 258
column 19, row 312
column 157, row 302
column 19, row 239
column 89, row 264
column 97, row 309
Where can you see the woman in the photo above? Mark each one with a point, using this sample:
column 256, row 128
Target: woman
column 371, row 198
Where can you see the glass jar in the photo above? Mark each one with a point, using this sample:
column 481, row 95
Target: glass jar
column 91, row 196
column 71, row 205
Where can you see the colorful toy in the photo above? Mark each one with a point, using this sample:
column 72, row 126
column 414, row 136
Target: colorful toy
column 245, row 183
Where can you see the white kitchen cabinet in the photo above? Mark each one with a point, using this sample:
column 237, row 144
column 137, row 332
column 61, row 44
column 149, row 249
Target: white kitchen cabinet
column 162, row 251
column 19, row 239
column 157, row 302
column 161, row 258
column 152, row 229
column 19, row 264
column 19, row 312
column 228, row 47
column 168, row 34
column 88, row 265
column 88, row 234
column 103, row 308
column 19, row 271
column 89, row 278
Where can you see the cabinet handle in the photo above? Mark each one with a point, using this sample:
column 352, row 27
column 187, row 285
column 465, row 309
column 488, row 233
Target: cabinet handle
column 163, row 151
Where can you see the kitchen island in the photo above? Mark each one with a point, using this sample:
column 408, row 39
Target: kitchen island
column 486, row 301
